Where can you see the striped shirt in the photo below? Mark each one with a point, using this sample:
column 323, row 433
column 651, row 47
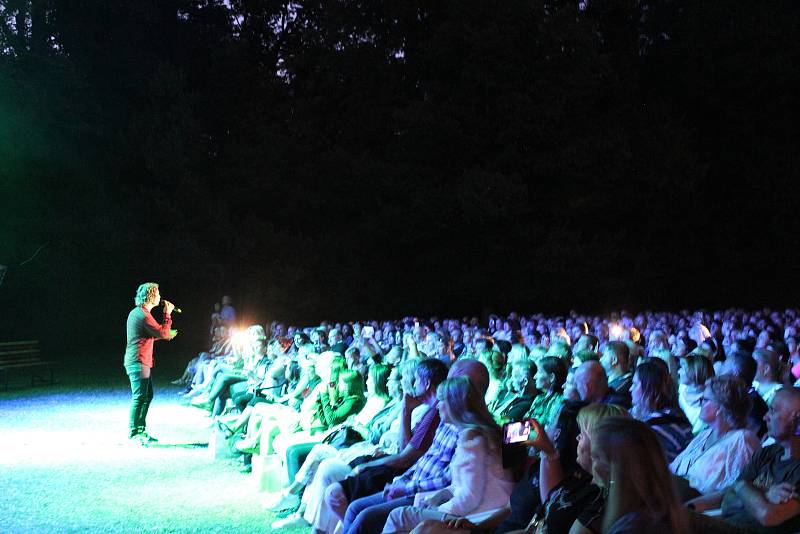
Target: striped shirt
column 673, row 430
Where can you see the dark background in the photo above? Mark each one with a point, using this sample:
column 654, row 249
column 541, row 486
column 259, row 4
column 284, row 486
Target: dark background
column 346, row 160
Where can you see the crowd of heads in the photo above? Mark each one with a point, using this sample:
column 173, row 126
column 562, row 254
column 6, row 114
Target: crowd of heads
column 639, row 380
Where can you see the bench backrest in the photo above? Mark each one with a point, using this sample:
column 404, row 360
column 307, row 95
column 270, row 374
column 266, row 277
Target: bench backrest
column 19, row 350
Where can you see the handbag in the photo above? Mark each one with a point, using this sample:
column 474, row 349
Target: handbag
column 343, row 438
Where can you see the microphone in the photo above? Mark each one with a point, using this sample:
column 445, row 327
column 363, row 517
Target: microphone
column 175, row 309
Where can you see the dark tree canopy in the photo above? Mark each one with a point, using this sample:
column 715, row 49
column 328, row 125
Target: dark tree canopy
column 351, row 159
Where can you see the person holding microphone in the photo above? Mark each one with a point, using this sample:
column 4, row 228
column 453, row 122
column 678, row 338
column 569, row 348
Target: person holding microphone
column 142, row 331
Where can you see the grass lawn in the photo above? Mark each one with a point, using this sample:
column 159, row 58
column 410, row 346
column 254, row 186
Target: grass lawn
column 66, row 464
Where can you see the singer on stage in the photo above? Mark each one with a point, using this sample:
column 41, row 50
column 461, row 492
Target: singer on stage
column 143, row 330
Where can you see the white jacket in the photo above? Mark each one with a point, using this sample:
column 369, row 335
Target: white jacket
column 479, row 482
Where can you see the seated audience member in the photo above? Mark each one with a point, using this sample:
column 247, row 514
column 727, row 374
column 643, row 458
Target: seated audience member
column 550, row 379
column 298, row 404
column 743, row 366
column 522, row 389
column 336, row 342
column 590, row 387
column 431, row 472
column 714, row 459
column 495, row 362
column 693, row 373
column 385, row 440
column 356, row 429
column 518, row 349
column 319, row 337
column 591, row 384
column 768, row 374
column 581, row 356
column 560, row 348
column 764, row 498
column 615, row 362
column 654, row 403
column 336, row 401
column 271, row 375
column 572, row 502
column 587, row 342
column 682, row 346
column 628, row 462
column 354, row 362
column 666, row 356
column 479, row 485
column 251, row 366
column 372, row 476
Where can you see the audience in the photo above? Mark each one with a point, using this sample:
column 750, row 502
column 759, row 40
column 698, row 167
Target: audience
column 763, row 499
column 615, row 363
column 401, row 459
column 628, row 462
column 714, row 459
column 479, row 485
column 654, row 402
column 695, row 369
column 550, row 379
column 768, row 374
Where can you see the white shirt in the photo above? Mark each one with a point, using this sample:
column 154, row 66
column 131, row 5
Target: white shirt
column 718, row 466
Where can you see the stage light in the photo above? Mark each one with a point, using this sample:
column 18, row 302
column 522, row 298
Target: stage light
column 615, row 330
column 240, row 338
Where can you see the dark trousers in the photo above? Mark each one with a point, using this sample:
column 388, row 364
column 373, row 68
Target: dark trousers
column 525, row 501
column 141, row 395
column 368, row 515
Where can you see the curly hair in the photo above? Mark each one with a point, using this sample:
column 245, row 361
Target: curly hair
column 731, row 395
column 146, row 292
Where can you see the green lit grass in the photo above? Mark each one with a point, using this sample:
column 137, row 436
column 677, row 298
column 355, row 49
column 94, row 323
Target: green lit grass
column 66, row 464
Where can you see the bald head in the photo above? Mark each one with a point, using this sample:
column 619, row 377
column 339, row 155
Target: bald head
column 591, row 381
column 473, row 369
column 783, row 419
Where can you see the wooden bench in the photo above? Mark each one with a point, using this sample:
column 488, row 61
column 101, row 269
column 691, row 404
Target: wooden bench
column 24, row 355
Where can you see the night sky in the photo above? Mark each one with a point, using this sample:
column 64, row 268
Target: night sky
column 351, row 160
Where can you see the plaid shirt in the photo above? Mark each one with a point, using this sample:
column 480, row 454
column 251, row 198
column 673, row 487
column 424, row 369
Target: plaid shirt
column 432, row 470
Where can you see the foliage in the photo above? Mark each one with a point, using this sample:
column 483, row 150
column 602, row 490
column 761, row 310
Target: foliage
column 338, row 159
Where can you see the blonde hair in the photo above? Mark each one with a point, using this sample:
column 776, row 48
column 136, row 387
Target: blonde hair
column 145, row 293
column 468, row 408
column 640, row 480
column 591, row 415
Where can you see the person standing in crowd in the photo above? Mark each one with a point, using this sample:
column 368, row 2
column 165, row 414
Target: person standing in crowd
column 142, row 331
column 228, row 313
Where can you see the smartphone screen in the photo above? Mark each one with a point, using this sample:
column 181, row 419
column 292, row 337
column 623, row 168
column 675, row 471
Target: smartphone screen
column 516, row 432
